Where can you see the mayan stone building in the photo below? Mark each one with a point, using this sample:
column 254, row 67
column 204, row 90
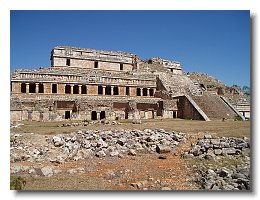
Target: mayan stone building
column 94, row 84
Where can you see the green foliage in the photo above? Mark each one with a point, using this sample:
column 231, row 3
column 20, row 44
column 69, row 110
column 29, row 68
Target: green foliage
column 246, row 90
column 238, row 118
column 85, row 120
column 210, row 86
column 12, row 140
column 17, row 183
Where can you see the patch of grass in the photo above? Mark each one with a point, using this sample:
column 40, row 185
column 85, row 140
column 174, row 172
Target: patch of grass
column 85, row 120
column 225, row 161
column 238, row 118
column 17, row 183
column 65, row 182
column 12, row 140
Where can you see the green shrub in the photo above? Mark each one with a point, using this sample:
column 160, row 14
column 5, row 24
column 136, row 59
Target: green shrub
column 17, row 183
column 238, row 118
column 12, row 140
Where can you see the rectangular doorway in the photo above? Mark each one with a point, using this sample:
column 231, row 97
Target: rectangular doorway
column 102, row 115
column 67, row 114
column 174, row 114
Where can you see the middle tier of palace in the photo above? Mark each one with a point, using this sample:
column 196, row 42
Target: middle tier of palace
column 50, row 83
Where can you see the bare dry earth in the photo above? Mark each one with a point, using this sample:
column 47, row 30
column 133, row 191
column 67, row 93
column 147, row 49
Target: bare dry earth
column 227, row 128
column 130, row 172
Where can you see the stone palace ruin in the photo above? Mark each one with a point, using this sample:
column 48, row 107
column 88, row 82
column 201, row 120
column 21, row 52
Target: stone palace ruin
column 89, row 84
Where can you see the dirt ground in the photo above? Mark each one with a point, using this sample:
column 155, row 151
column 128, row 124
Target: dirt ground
column 139, row 172
column 226, row 128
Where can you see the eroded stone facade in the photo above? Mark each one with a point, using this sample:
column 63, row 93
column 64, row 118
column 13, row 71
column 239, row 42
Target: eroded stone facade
column 94, row 84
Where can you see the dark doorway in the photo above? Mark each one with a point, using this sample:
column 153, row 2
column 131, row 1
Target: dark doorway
column 127, row 91
column 174, row 114
column 121, row 66
column 126, row 114
column 68, row 62
column 145, row 92
column 102, row 115
column 83, row 89
column 67, row 89
column 151, row 92
column 116, row 91
column 93, row 115
column 100, row 89
column 108, row 90
column 67, row 114
column 138, row 92
column 75, row 89
column 54, row 88
column 96, row 64
column 41, row 88
column 23, row 88
column 32, row 88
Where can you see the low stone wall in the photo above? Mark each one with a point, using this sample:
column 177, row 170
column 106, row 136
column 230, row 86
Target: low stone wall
column 221, row 163
column 210, row 147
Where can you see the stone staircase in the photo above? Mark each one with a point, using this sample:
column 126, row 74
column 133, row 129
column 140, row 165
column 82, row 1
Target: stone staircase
column 179, row 84
column 214, row 107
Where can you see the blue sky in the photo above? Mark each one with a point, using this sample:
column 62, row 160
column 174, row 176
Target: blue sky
column 212, row 42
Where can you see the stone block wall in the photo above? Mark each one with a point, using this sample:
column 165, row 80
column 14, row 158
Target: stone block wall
column 61, row 88
column 92, row 89
column 16, row 87
column 16, row 115
column 186, row 110
column 132, row 91
column 47, row 88
column 86, row 58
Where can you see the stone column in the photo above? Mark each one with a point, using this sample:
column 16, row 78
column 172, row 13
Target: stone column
column 104, row 90
column 141, row 91
column 27, row 87
column 148, row 92
column 112, row 90
column 71, row 88
column 154, row 114
column 98, row 115
column 80, row 89
column 36, row 87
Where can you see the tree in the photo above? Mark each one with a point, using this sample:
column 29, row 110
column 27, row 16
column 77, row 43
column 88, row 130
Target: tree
column 246, row 90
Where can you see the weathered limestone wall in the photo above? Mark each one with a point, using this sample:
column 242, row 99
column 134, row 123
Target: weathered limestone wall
column 92, row 90
column 168, row 114
column 61, row 88
column 121, row 91
column 16, row 115
column 26, row 115
column 59, row 61
column 85, row 58
column 47, row 88
column 186, row 110
column 16, row 87
column 81, row 63
column 132, row 91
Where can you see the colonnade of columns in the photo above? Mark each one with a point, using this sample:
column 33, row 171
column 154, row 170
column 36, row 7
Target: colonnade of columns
column 78, row 89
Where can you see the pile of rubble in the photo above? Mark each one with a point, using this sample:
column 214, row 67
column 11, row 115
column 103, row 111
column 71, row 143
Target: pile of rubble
column 215, row 174
column 211, row 147
column 87, row 123
column 98, row 143
column 225, row 178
